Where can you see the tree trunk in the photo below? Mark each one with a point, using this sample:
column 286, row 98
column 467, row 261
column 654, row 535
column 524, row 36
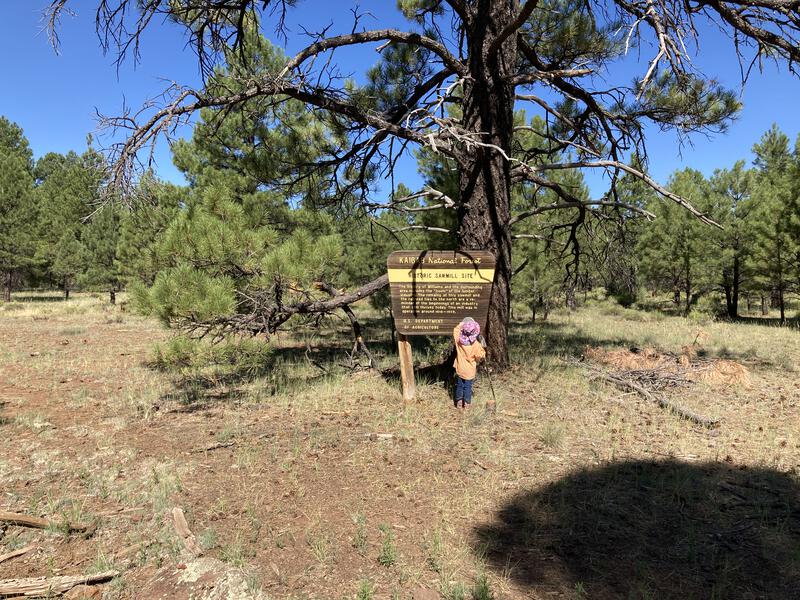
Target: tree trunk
column 485, row 177
column 748, row 299
column 764, row 310
column 729, row 301
column 676, row 297
column 737, row 275
column 688, row 292
column 782, row 304
column 569, row 298
column 8, row 285
column 66, row 289
column 112, row 296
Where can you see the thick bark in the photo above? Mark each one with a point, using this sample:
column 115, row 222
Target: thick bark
column 485, row 180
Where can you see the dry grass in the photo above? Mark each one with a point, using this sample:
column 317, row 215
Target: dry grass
column 572, row 489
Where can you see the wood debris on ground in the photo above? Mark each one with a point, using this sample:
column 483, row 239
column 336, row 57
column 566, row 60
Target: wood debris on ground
column 47, row 586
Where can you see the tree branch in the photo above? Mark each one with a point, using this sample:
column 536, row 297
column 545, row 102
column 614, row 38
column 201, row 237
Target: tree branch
column 450, row 61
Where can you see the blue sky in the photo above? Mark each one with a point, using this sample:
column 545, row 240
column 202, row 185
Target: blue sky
column 54, row 97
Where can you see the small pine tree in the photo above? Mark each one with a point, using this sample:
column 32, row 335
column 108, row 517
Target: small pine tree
column 100, row 239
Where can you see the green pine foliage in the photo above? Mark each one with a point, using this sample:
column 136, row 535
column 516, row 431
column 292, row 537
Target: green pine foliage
column 17, row 206
column 677, row 249
column 142, row 224
column 100, row 240
column 68, row 190
column 776, row 202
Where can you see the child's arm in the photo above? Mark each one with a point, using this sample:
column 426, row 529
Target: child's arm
column 456, row 333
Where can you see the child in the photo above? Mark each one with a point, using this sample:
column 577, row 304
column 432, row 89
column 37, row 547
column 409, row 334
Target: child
column 468, row 353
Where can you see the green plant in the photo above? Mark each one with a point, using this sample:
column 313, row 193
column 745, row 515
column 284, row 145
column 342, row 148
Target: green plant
column 551, row 435
column 435, row 552
column 320, row 544
column 366, row 590
column 580, row 591
column 481, row 589
column 360, row 537
column 234, row 553
column 208, row 539
column 455, row 591
column 388, row 554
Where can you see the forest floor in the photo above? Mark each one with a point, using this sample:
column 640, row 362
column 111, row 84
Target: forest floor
column 307, row 480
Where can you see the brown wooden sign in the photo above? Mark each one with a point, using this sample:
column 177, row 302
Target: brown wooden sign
column 433, row 290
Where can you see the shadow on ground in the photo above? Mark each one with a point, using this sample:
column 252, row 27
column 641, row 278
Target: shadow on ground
column 37, row 298
column 791, row 323
column 666, row 530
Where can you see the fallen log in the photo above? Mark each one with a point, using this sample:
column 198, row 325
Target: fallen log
column 22, row 520
column 15, row 553
column 47, row 586
column 628, row 385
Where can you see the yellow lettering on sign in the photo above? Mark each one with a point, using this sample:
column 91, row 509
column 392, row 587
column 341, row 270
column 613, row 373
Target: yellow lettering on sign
column 441, row 275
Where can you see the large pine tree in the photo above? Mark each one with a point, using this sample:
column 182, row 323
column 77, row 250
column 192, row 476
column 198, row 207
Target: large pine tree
column 17, row 208
column 68, row 191
column 677, row 251
column 776, row 199
column 569, row 59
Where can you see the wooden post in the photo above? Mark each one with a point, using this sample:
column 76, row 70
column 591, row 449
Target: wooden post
column 406, row 368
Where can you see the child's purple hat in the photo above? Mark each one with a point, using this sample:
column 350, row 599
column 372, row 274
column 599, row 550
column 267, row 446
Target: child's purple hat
column 469, row 331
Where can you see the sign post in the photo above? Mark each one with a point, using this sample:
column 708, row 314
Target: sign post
column 432, row 291
column 406, row 368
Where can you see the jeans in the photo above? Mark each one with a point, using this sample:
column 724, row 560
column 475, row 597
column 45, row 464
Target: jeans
column 464, row 389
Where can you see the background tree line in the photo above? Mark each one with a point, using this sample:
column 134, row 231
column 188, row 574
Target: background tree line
column 199, row 256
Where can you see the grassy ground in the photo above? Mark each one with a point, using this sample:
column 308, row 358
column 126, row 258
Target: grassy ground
column 318, row 483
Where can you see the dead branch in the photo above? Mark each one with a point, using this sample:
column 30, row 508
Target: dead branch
column 358, row 339
column 22, row 520
column 47, row 586
column 17, row 552
column 626, row 384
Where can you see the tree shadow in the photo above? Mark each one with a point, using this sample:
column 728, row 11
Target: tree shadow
column 37, row 299
column 553, row 339
column 285, row 370
column 653, row 529
column 791, row 323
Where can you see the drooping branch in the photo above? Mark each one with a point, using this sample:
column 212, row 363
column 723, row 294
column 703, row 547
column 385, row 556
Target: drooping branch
column 395, row 35
column 523, row 171
column 165, row 120
column 576, row 204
